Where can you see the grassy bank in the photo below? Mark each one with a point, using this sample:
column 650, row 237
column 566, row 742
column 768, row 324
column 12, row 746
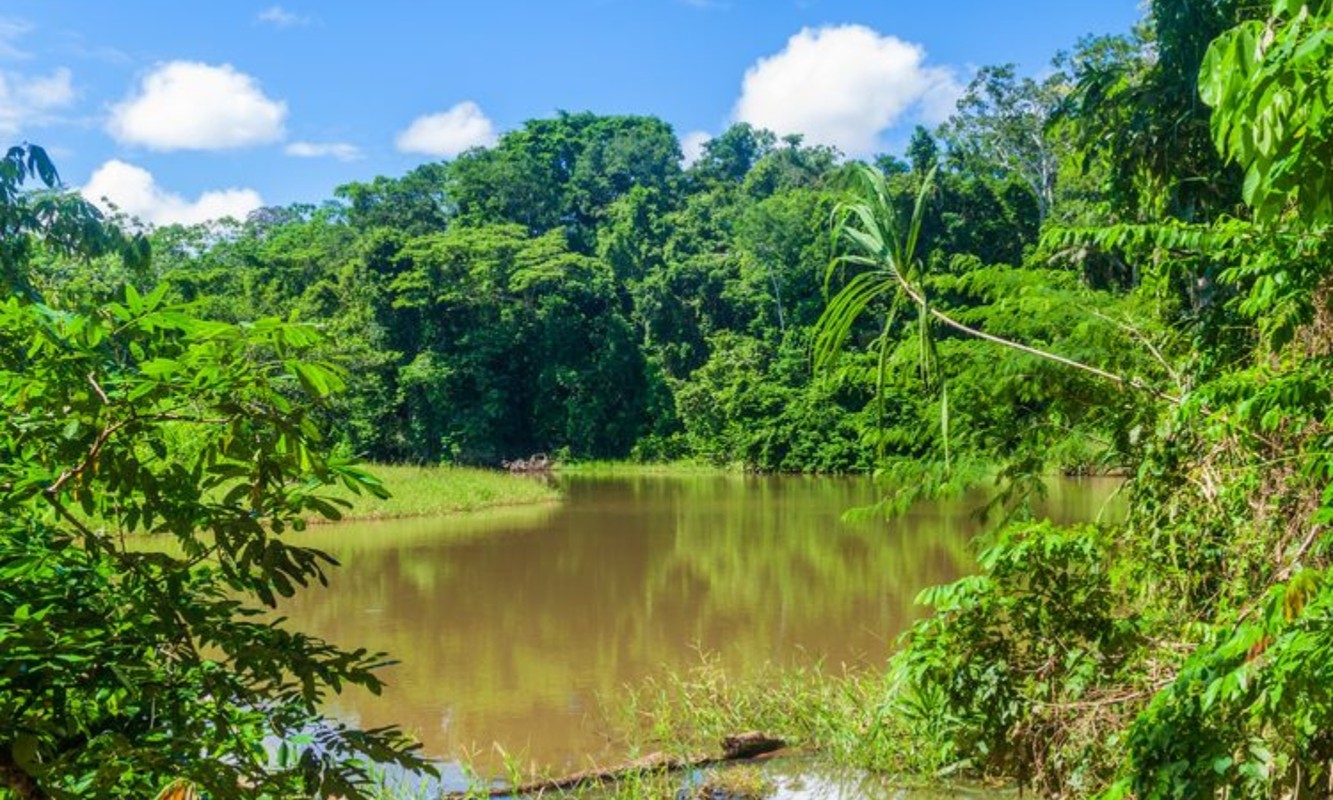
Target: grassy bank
column 842, row 718
column 432, row 491
column 851, row 718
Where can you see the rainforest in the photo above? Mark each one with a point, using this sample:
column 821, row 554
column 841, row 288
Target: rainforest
column 1119, row 269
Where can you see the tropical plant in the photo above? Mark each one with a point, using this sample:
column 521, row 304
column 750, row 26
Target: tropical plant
column 891, row 278
column 132, row 664
column 885, row 250
column 1266, row 82
column 1209, row 672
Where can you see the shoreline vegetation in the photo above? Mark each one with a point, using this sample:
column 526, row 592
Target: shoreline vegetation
column 838, row 714
column 425, row 491
column 843, row 717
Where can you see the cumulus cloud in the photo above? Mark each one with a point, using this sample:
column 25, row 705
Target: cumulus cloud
column 448, row 133
column 279, row 17
column 339, row 150
column 27, row 100
column 844, row 86
column 186, row 105
column 692, row 145
column 136, row 192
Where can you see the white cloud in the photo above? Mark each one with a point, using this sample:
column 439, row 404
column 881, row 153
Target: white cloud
column 339, row 150
column 279, row 17
column 27, row 100
column 844, row 86
column 11, row 30
column 186, row 105
column 692, row 145
column 448, row 133
column 136, row 192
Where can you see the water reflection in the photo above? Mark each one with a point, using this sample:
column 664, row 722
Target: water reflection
column 510, row 625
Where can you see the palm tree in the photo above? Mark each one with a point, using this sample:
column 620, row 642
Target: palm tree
column 884, row 247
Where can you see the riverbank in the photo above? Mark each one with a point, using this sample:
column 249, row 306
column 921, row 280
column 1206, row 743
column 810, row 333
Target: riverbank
column 839, row 725
column 848, row 717
column 419, row 491
column 630, row 469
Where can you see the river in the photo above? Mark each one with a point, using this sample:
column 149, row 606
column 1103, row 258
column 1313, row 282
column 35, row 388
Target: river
column 512, row 627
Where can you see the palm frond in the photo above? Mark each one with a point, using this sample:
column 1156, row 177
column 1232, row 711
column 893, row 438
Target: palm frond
column 841, row 313
column 885, row 250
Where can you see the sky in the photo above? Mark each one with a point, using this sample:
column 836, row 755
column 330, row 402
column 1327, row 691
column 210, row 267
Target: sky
column 183, row 112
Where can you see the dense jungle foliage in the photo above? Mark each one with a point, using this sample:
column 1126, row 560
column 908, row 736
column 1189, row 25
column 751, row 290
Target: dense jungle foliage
column 573, row 290
column 1120, row 267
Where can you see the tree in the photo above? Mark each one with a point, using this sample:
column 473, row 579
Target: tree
column 1186, row 651
column 1003, row 125
column 783, row 250
column 130, row 666
column 790, row 166
column 564, row 172
column 922, row 151
column 58, row 221
column 1139, row 119
column 416, row 203
column 1266, row 82
column 730, row 156
column 513, row 344
column 886, row 277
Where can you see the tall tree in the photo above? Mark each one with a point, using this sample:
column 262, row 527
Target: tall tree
column 1003, row 126
column 923, row 152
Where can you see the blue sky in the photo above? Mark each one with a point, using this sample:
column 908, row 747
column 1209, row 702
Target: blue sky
column 182, row 111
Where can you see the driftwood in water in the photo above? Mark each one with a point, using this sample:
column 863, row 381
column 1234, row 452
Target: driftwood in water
column 734, row 748
column 539, row 462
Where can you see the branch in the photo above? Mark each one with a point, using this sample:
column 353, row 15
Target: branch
column 90, row 537
column 1133, row 383
column 1137, row 334
column 98, row 388
column 98, row 444
column 1293, row 562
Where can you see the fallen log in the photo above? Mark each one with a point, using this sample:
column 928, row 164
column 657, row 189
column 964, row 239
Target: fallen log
column 738, row 747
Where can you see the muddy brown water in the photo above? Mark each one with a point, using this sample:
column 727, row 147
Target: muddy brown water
column 512, row 627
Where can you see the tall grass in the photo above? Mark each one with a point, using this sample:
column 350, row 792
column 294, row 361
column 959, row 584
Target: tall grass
column 434, row 491
column 851, row 717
